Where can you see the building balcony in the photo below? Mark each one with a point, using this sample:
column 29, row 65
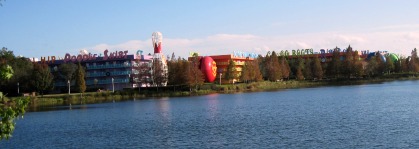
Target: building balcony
column 108, row 66
column 103, row 74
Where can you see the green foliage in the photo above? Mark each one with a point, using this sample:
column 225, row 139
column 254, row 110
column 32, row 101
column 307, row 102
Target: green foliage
column 176, row 71
column 42, row 78
column 334, row 66
column 230, row 73
column 80, row 82
column 67, row 71
column 372, row 67
column 307, row 71
column 6, row 72
column 9, row 111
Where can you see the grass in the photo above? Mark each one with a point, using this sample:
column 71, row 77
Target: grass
column 208, row 88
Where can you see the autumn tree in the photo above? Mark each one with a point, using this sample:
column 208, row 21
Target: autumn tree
column 414, row 61
column 400, row 65
column 372, row 67
column 272, row 68
column 42, row 79
column 299, row 69
column 195, row 77
column 317, row 68
column 251, row 71
column 246, row 70
column 285, row 67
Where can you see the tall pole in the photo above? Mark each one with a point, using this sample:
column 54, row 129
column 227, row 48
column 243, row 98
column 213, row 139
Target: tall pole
column 113, row 86
column 68, row 82
column 220, row 77
column 18, row 88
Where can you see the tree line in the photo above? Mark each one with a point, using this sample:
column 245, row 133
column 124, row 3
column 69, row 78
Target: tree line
column 37, row 77
column 273, row 67
column 29, row 76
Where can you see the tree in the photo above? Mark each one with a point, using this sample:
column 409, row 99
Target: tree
column 194, row 74
column 349, row 62
column 9, row 109
column 273, row 69
column 308, row 71
column 333, row 69
column 142, row 73
column 317, row 69
column 230, row 73
column 251, row 71
column 256, row 74
column 80, row 81
column 67, row 71
column 299, row 70
column 372, row 67
column 358, row 68
column 390, row 67
column 159, row 75
column 246, row 71
column 42, row 78
column 21, row 66
column 414, row 61
column 285, row 67
column 173, row 68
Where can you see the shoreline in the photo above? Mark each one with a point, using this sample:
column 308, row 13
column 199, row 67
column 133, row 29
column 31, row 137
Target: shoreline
column 52, row 101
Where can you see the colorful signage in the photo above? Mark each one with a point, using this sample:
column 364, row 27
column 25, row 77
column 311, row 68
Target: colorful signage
column 89, row 57
column 244, row 54
column 296, row 52
column 79, row 57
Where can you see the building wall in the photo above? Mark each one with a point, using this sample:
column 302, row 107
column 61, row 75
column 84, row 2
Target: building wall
column 110, row 74
column 222, row 62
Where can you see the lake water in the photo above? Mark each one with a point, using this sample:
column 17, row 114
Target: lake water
column 363, row 116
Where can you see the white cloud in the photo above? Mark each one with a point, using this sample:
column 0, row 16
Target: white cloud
column 401, row 40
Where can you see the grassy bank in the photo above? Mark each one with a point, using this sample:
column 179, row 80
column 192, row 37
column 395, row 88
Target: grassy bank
column 209, row 88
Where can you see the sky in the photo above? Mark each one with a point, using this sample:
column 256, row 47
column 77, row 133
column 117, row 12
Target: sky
column 209, row 27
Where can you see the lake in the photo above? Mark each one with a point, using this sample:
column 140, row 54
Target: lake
column 382, row 115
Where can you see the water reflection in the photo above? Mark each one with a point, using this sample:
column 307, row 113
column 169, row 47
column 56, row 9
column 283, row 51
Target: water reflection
column 163, row 105
column 212, row 106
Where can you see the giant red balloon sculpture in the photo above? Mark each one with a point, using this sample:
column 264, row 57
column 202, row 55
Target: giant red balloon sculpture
column 208, row 68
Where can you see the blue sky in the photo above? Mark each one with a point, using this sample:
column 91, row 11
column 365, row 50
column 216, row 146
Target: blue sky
column 53, row 28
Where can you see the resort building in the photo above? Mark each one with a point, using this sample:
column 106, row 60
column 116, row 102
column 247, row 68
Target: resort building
column 222, row 62
column 112, row 71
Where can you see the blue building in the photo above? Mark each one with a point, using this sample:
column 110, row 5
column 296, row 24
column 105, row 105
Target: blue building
column 112, row 71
